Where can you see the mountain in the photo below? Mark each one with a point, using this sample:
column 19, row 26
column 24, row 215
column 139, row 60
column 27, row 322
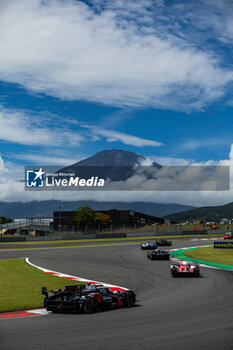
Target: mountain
column 115, row 164
column 114, row 157
column 18, row 210
column 213, row 213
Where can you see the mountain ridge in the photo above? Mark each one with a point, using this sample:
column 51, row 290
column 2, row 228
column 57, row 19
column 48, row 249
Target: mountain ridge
column 207, row 213
column 20, row 210
column 113, row 157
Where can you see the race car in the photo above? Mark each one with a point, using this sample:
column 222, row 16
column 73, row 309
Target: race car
column 185, row 268
column 228, row 235
column 149, row 245
column 163, row 242
column 158, row 254
column 86, row 299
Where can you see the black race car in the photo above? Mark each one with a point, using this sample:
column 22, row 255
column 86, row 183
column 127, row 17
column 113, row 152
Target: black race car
column 158, row 254
column 163, row 242
column 86, row 299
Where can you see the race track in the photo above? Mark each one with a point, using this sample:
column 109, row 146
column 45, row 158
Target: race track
column 181, row 313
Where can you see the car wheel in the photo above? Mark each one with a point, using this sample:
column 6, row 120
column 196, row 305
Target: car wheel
column 88, row 306
column 75, row 307
column 129, row 300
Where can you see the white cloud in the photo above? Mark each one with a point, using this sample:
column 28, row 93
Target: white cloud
column 218, row 24
column 208, row 142
column 46, row 159
column 72, row 51
column 112, row 136
column 22, row 128
column 4, row 172
column 167, row 161
column 26, row 128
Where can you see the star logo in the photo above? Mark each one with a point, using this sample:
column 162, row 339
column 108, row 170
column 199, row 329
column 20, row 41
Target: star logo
column 39, row 174
column 35, row 178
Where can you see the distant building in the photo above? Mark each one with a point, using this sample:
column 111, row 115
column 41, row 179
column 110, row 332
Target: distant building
column 225, row 221
column 127, row 218
column 131, row 218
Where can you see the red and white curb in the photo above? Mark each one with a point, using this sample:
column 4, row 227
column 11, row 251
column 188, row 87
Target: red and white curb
column 28, row 313
column 42, row 312
column 75, row 278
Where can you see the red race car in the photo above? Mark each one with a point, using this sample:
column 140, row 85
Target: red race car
column 228, row 235
column 185, row 268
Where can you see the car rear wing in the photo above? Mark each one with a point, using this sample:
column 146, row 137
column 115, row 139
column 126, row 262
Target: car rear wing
column 69, row 289
column 74, row 288
column 176, row 263
column 185, row 263
column 46, row 292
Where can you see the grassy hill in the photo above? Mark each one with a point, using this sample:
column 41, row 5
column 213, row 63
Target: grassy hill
column 211, row 213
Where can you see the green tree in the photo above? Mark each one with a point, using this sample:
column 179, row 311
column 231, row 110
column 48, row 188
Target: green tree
column 4, row 220
column 102, row 219
column 84, row 217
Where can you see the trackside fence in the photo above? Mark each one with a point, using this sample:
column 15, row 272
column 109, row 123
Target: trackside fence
column 66, row 237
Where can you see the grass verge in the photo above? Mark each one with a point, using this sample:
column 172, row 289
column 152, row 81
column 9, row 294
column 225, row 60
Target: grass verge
column 21, row 285
column 219, row 256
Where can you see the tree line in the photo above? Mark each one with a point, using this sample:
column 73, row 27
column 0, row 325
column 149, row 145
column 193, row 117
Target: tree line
column 4, row 220
column 86, row 217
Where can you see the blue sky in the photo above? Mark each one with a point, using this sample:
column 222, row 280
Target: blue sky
column 78, row 77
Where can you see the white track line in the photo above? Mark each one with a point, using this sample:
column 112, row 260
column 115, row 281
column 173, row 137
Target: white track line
column 75, row 278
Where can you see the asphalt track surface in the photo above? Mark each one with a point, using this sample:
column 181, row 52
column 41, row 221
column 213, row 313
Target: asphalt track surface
column 180, row 313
